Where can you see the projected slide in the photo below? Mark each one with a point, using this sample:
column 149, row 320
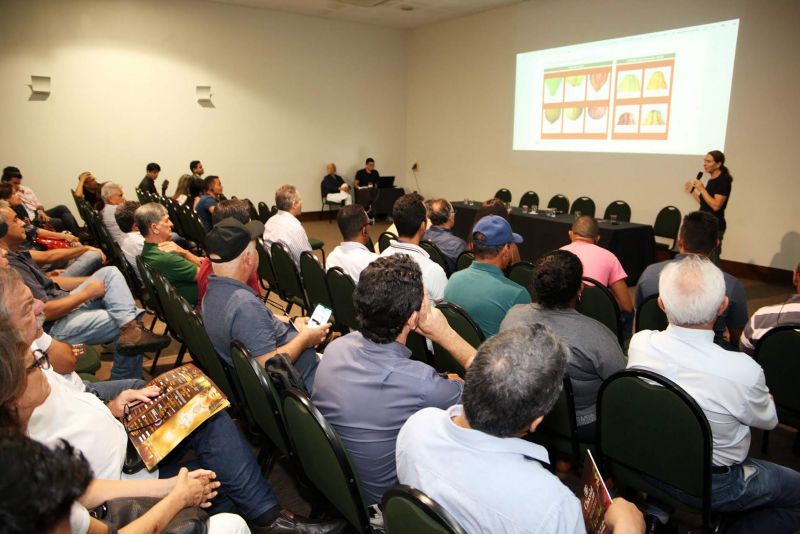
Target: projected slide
column 664, row 92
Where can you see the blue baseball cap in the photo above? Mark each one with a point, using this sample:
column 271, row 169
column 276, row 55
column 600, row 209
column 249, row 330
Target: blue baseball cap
column 496, row 232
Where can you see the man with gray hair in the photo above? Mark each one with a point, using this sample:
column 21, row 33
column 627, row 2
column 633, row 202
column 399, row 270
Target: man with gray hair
column 284, row 227
column 112, row 196
column 730, row 388
column 440, row 233
column 177, row 264
column 471, row 459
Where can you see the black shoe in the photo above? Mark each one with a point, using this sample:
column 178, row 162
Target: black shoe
column 134, row 338
column 288, row 522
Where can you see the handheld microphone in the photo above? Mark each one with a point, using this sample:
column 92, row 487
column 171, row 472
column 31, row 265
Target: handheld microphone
column 164, row 186
column 699, row 175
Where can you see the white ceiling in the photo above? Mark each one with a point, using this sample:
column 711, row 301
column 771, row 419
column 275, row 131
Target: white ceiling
column 389, row 13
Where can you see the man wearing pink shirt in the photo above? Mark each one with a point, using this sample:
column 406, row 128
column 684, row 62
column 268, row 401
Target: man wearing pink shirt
column 599, row 263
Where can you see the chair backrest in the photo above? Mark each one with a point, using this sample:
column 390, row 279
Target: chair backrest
column 341, row 288
column 314, row 281
column 436, row 255
column 559, row 430
column 324, row 459
column 150, row 294
column 464, row 260
column 521, row 273
column 503, row 194
column 266, row 272
column 585, row 205
column 649, row 316
column 259, row 397
column 287, row 274
column 559, row 202
column 409, row 511
column 778, row 353
column 130, row 275
column 620, row 208
column 177, row 223
column 668, row 222
column 639, row 415
column 599, row 303
column 263, row 212
column 460, row 321
column 168, row 297
column 530, row 198
column 383, row 240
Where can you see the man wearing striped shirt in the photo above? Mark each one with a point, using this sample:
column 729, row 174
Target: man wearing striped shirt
column 769, row 317
column 284, row 227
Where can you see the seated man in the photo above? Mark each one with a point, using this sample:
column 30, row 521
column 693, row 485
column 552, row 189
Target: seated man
column 595, row 353
column 442, row 217
column 208, row 202
column 482, row 289
column 88, row 188
column 334, row 187
column 409, row 216
column 367, row 386
column 239, row 210
column 148, row 183
column 94, row 310
column 59, row 217
column 132, row 241
column 113, row 197
column 698, row 236
column 599, row 263
column 177, row 264
column 352, row 254
column 283, row 227
column 769, row 317
column 471, row 459
column 730, row 388
column 232, row 311
column 367, row 176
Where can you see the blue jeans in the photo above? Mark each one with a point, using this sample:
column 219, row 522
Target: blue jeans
column 110, row 389
column 221, row 448
column 85, row 264
column 767, row 492
column 98, row 321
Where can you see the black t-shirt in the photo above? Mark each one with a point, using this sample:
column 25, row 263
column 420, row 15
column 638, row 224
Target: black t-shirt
column 367, row 178
column 331, row 184
column 721, row 185
column 148, row 186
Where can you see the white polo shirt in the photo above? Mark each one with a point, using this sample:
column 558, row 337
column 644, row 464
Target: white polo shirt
column 433, row 277
column 352, row 257
column 283, row 227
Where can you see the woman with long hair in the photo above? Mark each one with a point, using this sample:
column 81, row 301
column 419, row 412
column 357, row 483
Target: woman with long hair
column 182, row 191
column 713, row 197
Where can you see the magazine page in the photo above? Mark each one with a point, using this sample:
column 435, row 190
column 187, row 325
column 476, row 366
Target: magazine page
column 595, row 499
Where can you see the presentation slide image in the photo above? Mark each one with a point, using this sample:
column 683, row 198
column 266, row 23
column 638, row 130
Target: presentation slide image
column 551, row 120
column 597, row 119
column 658, row 81
column 626, row 119
column 629, row 82
column 655, row 118
column 573, row 120
column 599, row 87
column 553, row 89
column 575, row 88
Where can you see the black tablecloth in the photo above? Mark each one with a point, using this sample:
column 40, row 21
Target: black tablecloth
column 382, row 199
column 632, row 243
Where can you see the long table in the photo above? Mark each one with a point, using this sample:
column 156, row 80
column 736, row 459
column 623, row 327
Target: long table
column 632, row 243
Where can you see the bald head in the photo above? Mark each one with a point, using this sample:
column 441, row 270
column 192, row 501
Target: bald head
column 585, row 227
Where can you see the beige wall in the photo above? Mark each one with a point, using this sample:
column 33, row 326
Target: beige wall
column 461, row 104
column 291, row 93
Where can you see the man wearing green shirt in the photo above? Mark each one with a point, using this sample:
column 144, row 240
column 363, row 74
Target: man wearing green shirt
column 482, row 289
column 178, row 265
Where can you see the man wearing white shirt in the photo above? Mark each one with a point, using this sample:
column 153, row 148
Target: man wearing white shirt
column 729, row 387
column 410, row 218
column 284, row 227
column 352, row 255
column 113, row 197
column 132, row 241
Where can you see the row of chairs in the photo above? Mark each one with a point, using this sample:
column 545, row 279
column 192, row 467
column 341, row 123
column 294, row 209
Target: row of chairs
column 665, row 227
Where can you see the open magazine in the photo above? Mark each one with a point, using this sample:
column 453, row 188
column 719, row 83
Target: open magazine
column 595, row 498
column 188, row 398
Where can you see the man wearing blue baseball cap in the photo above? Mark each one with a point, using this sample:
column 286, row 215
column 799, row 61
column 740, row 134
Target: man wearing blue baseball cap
column 482, row 289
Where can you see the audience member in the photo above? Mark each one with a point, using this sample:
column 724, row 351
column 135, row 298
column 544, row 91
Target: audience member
column 334, row 188
column 471, row 459
column 284, row 227
column 595, row 353
column 368, row 175
column 132, row 241
column 352, row 254
column 196, row 169
column 94, row 310
column 58, row 217
column 443, row 217
column 197, row 188
column 239, row 210
column 409, row 216
column 88, row 188
column 482, row 289
column 699, row 236
column 769, row 317
column 182, row 190
column 367, row 386
column 177, row 264
column 233, row 312
column 599, row 263
column 730, row 388
column 493, row 206
column 112, row 196
column 148, row 183
column 208, row 202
